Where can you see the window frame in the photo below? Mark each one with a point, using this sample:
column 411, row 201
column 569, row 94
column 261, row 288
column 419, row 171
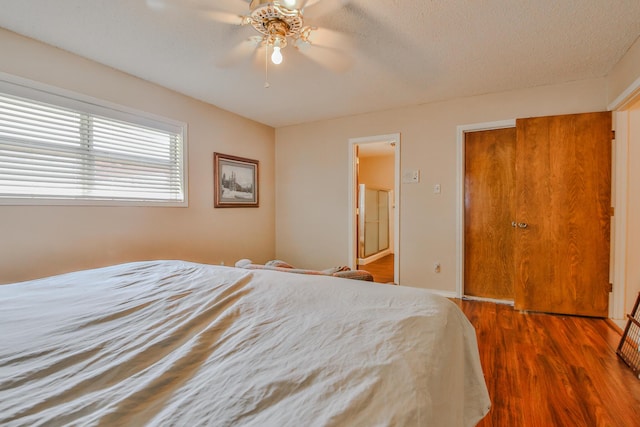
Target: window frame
column 40, row 92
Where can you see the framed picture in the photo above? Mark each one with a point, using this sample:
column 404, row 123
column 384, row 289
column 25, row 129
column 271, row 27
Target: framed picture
column 235, row 182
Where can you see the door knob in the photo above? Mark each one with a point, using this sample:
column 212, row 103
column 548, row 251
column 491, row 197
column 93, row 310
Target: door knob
column 523, row 225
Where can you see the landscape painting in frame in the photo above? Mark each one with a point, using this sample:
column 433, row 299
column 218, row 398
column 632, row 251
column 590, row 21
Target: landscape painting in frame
column 235, row 181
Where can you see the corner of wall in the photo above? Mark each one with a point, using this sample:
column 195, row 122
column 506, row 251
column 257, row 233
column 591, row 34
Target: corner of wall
column 623, row 81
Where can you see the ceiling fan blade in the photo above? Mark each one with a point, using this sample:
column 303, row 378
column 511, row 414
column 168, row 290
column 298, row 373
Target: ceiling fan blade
column 327, row 57
column 330, row 38
column 240, row 6
column 226, row 11
column 317, row 8
column 241, row 52
column 224, row 17
column 232, row 5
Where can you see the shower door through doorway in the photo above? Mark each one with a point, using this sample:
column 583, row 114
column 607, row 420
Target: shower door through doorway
column 373, row 221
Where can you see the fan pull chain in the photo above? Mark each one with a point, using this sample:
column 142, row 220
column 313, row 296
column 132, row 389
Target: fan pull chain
column 266, row 66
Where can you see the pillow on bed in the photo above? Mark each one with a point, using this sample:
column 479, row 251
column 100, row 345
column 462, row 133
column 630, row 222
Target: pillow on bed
column 243, row 263
column 278, row 263
column 334, row 270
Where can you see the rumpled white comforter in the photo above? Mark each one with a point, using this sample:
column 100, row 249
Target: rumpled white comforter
column 185, row 344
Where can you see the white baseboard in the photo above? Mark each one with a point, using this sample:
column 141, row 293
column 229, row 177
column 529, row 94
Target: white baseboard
column 497, row 301
column 374, row 257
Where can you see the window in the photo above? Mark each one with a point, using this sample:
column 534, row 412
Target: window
column 67, row 149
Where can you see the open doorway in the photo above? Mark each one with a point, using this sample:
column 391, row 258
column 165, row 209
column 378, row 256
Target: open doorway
column 374, row 208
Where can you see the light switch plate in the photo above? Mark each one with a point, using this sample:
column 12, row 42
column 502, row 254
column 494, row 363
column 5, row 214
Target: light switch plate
column 411, row 176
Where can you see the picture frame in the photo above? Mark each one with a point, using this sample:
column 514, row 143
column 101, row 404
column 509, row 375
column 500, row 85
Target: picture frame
column 235, row 181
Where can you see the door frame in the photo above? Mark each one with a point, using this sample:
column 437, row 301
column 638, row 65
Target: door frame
column 620, row 109
column 353, row 201
column 460, row 169
column 618, row 260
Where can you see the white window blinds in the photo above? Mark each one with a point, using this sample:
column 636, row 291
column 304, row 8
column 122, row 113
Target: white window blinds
column 68, row 149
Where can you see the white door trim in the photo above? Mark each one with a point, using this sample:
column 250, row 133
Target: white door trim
column 619, row 220
column 353, row 243
column 461, row 130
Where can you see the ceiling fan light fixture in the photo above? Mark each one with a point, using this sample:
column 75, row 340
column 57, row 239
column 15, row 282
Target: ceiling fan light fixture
column 277, row 21
column 277, row 39
column 276, row 56
column 263, row 12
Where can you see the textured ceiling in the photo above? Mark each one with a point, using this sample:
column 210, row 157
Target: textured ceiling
column 368, row 55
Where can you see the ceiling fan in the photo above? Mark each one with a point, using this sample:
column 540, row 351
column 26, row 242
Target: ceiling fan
column 280, row 23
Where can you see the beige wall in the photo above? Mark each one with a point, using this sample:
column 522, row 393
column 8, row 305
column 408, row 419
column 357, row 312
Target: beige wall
column 43, row 240
column 377, row 172
column 311, row 178
column 312, row 196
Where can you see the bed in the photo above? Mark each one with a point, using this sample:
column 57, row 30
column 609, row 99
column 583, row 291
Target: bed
column 184, row 344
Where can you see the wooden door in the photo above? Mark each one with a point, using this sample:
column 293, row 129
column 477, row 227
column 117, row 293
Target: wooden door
column 563, row 191
column 489, row 210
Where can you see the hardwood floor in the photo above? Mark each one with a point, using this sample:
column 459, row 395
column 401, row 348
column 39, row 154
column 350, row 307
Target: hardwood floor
column 382, row 269
column 552, row 370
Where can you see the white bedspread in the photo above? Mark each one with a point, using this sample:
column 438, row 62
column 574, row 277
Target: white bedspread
column 184, row 344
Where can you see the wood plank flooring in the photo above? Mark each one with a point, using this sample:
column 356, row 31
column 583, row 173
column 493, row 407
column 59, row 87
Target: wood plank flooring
column 552, row 370
column 382, row 269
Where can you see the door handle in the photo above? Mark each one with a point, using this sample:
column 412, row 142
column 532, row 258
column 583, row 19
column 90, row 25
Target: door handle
column 514, row 224
column 523, row 225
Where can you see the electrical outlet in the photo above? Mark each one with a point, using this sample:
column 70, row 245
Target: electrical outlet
column 436, row 267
